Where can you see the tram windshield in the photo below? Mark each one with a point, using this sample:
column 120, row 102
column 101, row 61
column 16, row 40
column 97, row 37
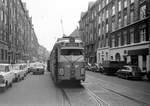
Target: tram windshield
column 75, row 52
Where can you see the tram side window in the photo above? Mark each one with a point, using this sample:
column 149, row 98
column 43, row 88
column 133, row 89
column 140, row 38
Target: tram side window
column 68, row 52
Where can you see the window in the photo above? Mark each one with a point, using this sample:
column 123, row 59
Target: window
column 103, row 3
column 119, row 23
column 99, row 19
column 125, row 37
column 113, row 41
column 119, row 39
column 131, row 35
column 143, row 34
column 107, row 2
column 113, row 10
column 119, row 6
column 113, row 26
column 100, row 7
column 143, row 12
column 131, row 16
column 106, row 13
column 132, row 1
column 125, row 20
column 2, row 17
column 99, row 56
column 125, row 3
column 106, row 28
column 2, row 54
column 5, row 16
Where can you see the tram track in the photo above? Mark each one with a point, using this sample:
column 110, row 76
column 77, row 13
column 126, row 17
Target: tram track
column 65, row 100
column 76, row 97
column 142, row 103
column 96, row 98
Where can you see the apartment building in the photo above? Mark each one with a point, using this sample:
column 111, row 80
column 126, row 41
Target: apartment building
column 88, row 31
column 4, row 40
column 16, row 32
column 124, row 32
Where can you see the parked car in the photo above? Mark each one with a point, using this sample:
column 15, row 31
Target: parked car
column 6, row 76
column 94, row 67
column 130, row 71
column 18, row 70
column 38, row 69
column 88, row 67
column 100, row 68
column 110, row 67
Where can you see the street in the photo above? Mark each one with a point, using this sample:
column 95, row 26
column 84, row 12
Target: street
column 97, row 90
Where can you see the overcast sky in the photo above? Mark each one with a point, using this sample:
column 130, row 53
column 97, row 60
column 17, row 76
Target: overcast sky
column 47, row 15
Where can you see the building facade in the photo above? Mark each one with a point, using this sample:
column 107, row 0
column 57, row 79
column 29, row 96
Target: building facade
column 125, row 34
column 4, row 37
column 122, row 31
column 16, row 32
column 88, row 31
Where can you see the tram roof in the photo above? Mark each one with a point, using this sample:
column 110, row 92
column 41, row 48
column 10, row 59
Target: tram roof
column 66, row 40
column 72, row 48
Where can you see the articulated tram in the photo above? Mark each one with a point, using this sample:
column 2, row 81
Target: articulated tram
column 67, row 60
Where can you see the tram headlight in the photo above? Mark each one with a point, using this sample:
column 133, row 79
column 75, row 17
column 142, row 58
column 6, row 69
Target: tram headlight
column 82, row 71
column 61, row 71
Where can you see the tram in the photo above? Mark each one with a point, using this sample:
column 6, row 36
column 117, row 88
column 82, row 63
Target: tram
column 66, row 60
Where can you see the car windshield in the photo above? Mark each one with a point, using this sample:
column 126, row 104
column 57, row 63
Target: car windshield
column 68, row 52
column 136, row 69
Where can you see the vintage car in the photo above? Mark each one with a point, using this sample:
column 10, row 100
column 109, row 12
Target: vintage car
column 130, row 71
column 6, row 76
column 88, row 67
column 19, row 71
column 38, row 69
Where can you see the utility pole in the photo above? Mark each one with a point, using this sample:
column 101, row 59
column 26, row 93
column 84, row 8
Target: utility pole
column 62, row 28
